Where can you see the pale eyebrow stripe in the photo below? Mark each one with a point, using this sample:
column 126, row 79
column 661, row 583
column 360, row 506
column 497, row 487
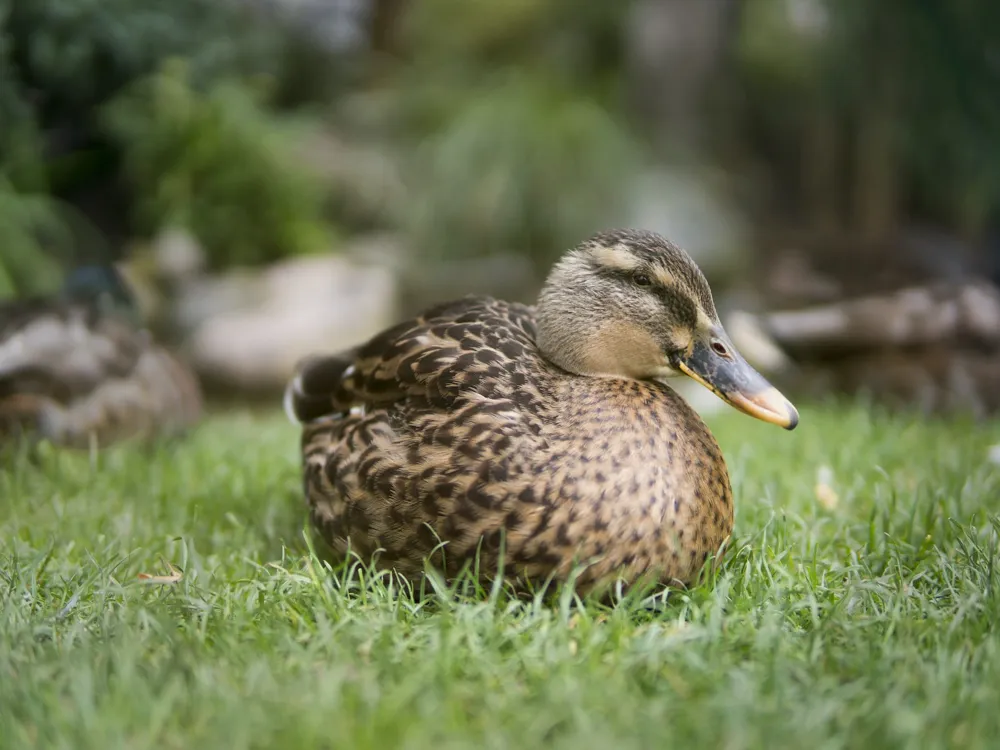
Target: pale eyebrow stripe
column 616, row 257
column 664, row 277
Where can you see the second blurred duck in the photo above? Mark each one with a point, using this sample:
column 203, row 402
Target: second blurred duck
column 79, row 370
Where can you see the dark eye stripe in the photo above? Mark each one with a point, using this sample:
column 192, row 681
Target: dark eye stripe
column 618, row 274
column 680, row 305
column 683, row 308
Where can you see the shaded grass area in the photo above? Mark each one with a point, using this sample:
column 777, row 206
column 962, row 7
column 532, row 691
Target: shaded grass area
column 859, row 617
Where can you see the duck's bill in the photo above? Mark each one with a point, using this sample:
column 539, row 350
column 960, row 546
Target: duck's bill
column 732, row 379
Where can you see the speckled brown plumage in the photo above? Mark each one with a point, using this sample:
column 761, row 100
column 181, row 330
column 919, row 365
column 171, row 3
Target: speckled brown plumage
column 457, row 431
column 79, row 376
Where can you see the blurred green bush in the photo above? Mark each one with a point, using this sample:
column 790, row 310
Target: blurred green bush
column 86, row 105
column 29, row 225
column 510, row 123
column 526, row 166
column 219, row 165
column 506, row 118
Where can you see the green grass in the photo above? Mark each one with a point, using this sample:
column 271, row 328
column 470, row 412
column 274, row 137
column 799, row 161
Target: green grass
column 870, row 622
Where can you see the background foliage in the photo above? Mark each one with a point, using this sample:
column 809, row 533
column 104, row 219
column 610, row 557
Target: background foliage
column 214, row 163
column 507, row 122
column 92, row 117
column 906, row 90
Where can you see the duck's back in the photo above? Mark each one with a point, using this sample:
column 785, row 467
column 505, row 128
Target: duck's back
column 73, row 374
column 453, row 428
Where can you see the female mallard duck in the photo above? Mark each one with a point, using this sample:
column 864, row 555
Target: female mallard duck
column 546, row 432
column 77, row 371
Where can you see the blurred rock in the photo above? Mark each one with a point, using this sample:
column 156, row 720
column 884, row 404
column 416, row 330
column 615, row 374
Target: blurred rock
column 155, row 270
column 247, row 330
column 177, row 254
column 203, row 298
column 935, row 348
column 755, row 343
column 956, row 315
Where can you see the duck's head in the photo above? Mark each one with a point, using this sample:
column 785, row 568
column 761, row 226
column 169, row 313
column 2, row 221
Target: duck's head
column 100, row 285
column 632, row 304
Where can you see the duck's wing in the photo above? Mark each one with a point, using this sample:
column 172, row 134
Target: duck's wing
column 475, row 343
column 441, row 447
column 73, row 374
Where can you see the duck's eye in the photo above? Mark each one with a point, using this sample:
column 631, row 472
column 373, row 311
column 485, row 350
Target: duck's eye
column 642, row 279
column 719, row 348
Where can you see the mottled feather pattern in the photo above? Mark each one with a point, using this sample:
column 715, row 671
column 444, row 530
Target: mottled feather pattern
column 76, row 375
column 468, row 440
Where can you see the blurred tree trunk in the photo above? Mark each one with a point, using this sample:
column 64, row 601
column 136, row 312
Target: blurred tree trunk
column 384, row 20
column 819, row 172
column 876, row 183
column 876, row 165
column 383, row 39
column 675, row 48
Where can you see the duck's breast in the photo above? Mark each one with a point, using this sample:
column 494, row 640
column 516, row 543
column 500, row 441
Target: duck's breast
column 634, row 475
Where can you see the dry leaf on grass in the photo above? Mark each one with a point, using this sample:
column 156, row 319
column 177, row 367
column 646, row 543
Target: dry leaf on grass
column 825, row 494
column 174, row 576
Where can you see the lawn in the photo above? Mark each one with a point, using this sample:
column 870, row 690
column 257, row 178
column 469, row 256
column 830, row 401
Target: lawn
column 859, row 614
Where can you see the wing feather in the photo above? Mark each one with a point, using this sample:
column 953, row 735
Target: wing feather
column 434, row 357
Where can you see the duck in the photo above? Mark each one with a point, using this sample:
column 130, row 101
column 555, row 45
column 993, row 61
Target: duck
column 79, row 371
column 535, row 443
